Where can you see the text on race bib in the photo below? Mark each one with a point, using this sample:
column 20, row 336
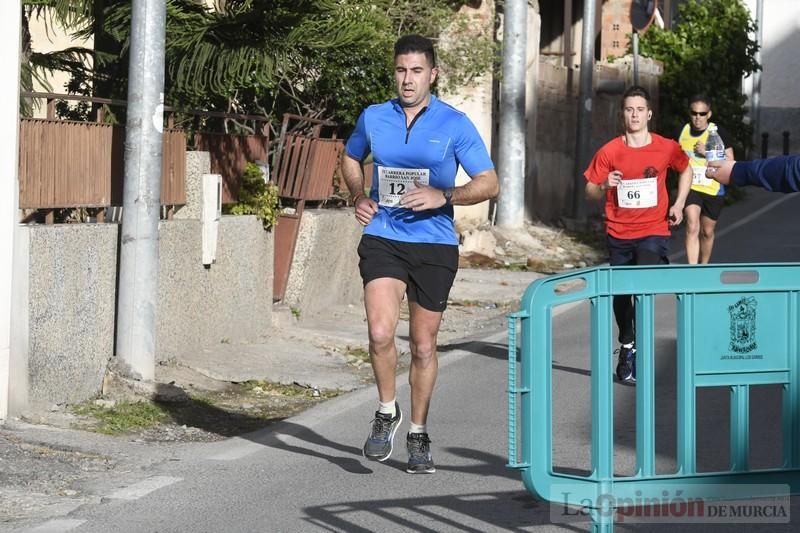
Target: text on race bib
column 393, row 183
column 638, row 193
column 699, row 176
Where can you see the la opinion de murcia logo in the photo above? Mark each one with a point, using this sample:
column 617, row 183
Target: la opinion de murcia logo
column 743, row 325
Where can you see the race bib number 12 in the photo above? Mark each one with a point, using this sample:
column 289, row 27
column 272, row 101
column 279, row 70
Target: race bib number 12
column 393, row 183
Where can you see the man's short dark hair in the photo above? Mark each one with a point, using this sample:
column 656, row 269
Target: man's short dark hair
column 700, row 97
column 635, row 90
column 409, row 44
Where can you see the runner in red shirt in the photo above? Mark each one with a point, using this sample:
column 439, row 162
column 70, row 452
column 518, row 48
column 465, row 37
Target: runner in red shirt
column 630, row 173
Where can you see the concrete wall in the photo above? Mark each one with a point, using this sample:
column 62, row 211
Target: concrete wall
column 67, row 337
column 71, row 299
column 229, row 302
column 324, row 270
column 72, row 283
column 780, row 77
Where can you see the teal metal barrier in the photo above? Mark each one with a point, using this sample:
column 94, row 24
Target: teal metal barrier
column 750, row 317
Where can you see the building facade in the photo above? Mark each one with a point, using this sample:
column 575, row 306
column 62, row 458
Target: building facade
column 775, row 107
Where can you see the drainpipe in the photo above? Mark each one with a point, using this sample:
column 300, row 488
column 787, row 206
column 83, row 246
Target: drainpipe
column 138, row 275
column 755, row 103
column 10, row 32
column 584, row 132
column 511, row 138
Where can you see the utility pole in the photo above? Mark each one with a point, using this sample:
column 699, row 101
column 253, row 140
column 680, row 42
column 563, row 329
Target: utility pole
column 10, row 32
column 138, row 276
column 755, row 95
column 585, row 94
column 511, row 138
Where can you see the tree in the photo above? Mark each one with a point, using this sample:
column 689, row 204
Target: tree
column 35, row 66
column 709, row 50
column 320, row 58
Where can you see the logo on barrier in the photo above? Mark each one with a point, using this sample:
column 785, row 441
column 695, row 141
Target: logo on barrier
column 743, row 325
column 727, row 504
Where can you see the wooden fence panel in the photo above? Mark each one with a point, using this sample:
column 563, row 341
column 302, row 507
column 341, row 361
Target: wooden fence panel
column 173, row 168
column 230, row 154
column 64, row 164
column 321, row 169
column 307, row 166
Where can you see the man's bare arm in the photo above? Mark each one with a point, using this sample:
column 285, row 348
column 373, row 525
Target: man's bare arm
column 353, row 176
column 365, row 207
column 482, row 186
column 595, row 192
column 684, row 184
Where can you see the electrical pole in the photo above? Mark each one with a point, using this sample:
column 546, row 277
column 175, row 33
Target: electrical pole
column 755, row 95
column 585, row 94
column 511, row 138
column 10, row 32
column 138, row 276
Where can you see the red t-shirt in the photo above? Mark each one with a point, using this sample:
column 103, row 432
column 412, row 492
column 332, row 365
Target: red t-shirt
column 648, row 161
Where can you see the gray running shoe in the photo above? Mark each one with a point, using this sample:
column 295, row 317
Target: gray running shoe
column 419, row 454
column 626, row 366
column 379, row 442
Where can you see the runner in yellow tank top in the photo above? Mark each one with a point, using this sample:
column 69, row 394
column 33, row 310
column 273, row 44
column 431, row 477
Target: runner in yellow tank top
column 706, row 197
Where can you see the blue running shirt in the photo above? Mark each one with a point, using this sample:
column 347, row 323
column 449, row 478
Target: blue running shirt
column 439, row 139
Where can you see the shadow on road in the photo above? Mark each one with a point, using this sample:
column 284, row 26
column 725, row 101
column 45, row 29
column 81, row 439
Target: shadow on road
column 269, row 432
column 474, row 512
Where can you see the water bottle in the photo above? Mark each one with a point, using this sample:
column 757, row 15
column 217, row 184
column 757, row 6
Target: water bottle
column 715, row 148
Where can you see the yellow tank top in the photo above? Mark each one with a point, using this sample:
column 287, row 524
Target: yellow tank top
column 700, row 182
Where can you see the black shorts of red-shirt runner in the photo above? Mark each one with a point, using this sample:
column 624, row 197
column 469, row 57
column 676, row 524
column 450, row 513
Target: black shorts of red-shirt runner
column 651, row 250
column 428, row 270
column 710, row 206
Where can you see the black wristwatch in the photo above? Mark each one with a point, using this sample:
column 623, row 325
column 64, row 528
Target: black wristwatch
column 448, row 196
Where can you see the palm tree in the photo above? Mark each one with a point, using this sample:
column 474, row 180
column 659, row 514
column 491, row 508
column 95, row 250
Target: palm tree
column 321, row 58
column 35, row 66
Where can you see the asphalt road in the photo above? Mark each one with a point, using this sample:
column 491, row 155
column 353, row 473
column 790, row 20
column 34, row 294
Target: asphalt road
column 306, row 474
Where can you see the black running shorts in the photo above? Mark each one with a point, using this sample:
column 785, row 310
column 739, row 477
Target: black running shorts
column 710, row 206
column 428, row 270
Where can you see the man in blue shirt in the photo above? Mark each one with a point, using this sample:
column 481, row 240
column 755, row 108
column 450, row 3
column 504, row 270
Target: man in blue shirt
column 409, row 246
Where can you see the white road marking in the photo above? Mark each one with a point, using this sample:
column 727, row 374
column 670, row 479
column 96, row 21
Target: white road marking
column 143, row 488
column 237, row 448
column 60, row 525
column 742, row 221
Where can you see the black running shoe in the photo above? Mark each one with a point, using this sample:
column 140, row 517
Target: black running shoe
column 379, row 442
column 419, row 454
column 626, row 365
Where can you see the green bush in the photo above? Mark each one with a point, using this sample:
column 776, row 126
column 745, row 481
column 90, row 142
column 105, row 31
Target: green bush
column 257, row 197
column 708, row 50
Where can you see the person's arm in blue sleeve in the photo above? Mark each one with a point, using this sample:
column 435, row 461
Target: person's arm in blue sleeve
column 777, row 174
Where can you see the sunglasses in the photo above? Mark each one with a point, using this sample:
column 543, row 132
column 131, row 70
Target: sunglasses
column 698, row 113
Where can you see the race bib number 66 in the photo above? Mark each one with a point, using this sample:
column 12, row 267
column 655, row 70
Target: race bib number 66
column 638, row 193
column 393, row 183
